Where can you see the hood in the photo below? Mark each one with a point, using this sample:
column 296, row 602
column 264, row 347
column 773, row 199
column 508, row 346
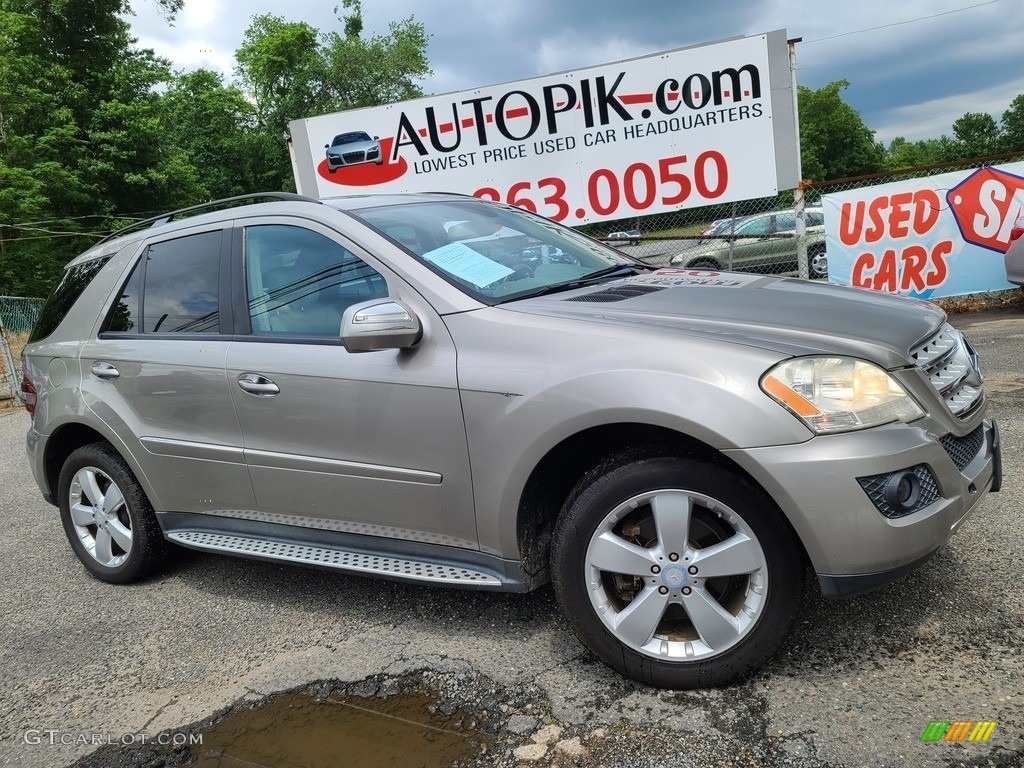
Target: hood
column 794, row 317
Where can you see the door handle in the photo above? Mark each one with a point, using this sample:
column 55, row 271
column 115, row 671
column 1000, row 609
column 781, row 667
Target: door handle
column 102, row 370
column 258, row 385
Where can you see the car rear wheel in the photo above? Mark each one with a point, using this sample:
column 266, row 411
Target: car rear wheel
column 705, row 264
column 676, row 572
column 107, row 518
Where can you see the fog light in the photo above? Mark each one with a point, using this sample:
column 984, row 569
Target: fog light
column 903, row 490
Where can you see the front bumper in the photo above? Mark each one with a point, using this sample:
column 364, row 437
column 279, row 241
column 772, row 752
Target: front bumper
column 852, row 546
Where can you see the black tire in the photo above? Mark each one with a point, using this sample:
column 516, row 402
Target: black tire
column 705, row 264
column 817, row 263
column 774, row 586
column 99, row 541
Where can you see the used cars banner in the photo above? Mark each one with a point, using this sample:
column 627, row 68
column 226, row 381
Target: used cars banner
column 932, row 237
column 678, row 129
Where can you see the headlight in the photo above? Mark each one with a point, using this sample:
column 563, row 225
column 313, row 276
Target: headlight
column 839, row 394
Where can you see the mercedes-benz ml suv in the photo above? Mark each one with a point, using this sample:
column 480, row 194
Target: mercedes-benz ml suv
column 399, row 386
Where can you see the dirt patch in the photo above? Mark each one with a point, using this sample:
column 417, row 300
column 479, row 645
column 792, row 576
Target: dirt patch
column 983, row 302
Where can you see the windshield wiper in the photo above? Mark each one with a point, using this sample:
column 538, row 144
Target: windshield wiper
column 614, row 271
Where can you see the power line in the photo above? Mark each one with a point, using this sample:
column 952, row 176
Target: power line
column 51, row 231
column 133, row 216
column 898, row 23
column 49, row 237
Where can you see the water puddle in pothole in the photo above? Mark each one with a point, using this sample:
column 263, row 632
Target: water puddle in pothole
column 299, row 730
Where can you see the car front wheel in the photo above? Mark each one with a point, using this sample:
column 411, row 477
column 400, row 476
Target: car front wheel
column 107, row 517
column 676, row 572
column 818, row 263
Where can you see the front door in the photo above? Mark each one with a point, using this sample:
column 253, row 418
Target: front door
column 366, row 443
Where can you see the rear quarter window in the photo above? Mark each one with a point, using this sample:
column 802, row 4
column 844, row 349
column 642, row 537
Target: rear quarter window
column 63, row 297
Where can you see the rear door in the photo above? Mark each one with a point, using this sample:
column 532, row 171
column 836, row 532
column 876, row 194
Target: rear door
column 155, row 374
column 365, row 443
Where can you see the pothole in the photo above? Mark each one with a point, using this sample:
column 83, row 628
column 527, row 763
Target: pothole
column 418, row 720
column 406, row 729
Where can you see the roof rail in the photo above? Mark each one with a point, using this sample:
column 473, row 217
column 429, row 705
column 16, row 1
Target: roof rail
column 226, row 202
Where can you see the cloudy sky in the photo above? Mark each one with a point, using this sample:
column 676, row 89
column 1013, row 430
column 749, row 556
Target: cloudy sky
column 914, row 66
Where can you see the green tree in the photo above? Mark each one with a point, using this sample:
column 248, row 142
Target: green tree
column 834, row 141
column 290, row 71
column 79, row 133
column 280, row 65
column 902, row 153
column 1012, row 124
column 210, row 124
column 380, row 70
column 976, row 135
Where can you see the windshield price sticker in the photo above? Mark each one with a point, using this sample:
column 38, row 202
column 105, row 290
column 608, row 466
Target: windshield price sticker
column 466, row 264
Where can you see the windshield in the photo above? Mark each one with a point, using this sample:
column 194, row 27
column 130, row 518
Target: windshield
column 349, row 138
column 493, row 252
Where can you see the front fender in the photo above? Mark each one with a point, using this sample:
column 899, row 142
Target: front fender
column 526, row 388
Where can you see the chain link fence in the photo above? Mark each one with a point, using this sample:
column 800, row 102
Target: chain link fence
column 762, row 236
column 17, row 316
column 758, row 236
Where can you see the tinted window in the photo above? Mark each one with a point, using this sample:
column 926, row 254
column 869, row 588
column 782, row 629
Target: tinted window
column 301, row 282
column 754, row 227
column 182, row 278
column 785, row 222
column 64, row 295
column 127, row 309
column 814, row 218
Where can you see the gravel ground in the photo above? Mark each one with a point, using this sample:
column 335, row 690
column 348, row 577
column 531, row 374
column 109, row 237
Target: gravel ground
column 855, row 684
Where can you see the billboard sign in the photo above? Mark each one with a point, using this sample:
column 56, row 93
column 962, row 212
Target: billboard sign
column 927, row 238
column 678, row 129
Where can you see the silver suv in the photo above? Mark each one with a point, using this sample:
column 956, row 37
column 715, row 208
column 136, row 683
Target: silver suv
column 445, row 391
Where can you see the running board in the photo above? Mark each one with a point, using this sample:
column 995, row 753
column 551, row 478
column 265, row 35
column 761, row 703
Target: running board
column 335, row 558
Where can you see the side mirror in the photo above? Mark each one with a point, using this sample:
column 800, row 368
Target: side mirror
column 327, row 146
column 380, row 324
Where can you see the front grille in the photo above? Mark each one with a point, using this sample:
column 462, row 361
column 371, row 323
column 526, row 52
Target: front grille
column 963, row 449
column 618, row 293
column 951, row 366
column 354, row 157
